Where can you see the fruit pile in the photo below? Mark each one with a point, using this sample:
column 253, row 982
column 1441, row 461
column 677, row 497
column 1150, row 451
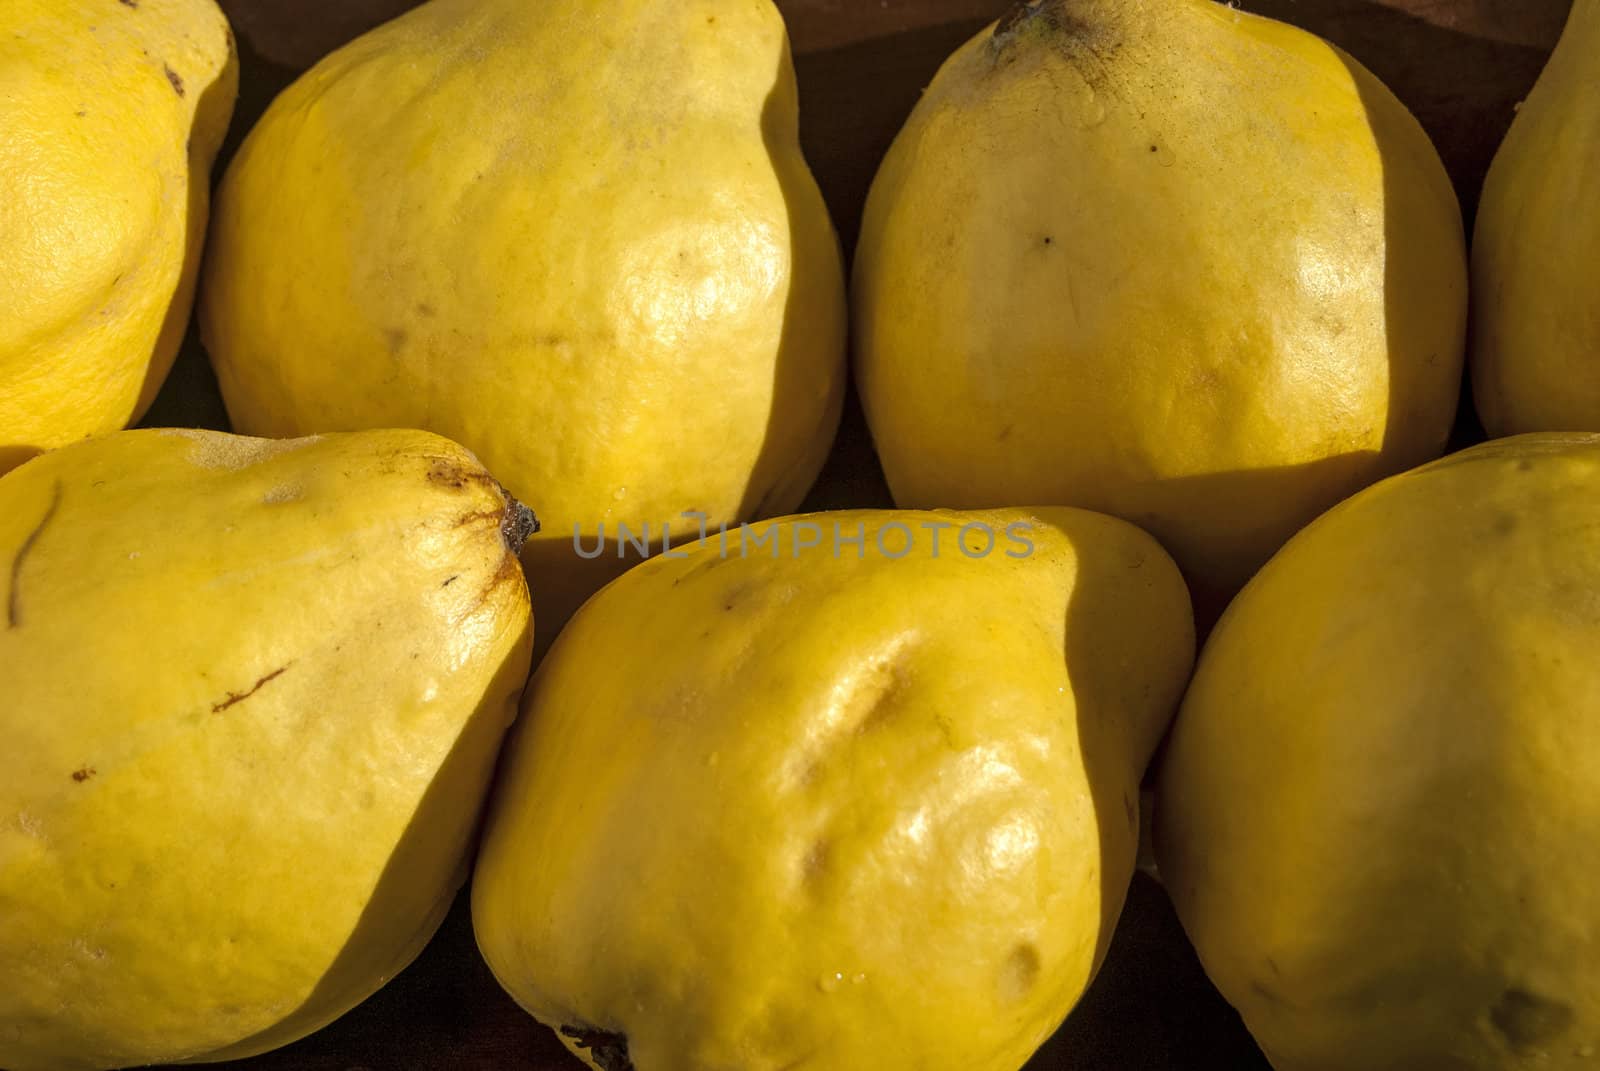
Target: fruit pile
column 532, row 326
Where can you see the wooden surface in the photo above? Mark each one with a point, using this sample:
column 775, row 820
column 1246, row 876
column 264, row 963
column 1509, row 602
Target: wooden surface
column 1462, row 66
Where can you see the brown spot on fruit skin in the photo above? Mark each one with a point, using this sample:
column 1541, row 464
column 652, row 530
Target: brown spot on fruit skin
column 235, row 698
column 1020, row 972
column 14, row 599
column 608, row 1050
column 478, row 515
column 173, row 77
column 882, row 708
column 84, row 774
column 736, row 594
column 449, row 472
column 1529, row 1022
column 130, row 3
column 816, row 862
column 510, row 571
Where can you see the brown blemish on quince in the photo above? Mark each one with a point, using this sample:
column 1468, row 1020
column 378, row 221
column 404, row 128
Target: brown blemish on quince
column 234, row 698
column 1529, row 1022
column 1020, row 972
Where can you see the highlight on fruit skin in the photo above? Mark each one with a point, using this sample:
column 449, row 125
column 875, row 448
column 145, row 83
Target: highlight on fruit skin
column 1377, row 814
column 112, row 115
column 1536, row 252
column 847, row 790
column 1165, row 259
column 580, row 239
column 252, row 692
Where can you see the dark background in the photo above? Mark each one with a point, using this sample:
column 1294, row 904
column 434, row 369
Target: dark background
column 1461, row 65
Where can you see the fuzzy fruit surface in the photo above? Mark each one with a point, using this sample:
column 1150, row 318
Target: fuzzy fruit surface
column 1536, row 252
column 112, row 116
column 1377, row 813
column 1163, row 259
column 850, row 809
column 251, row 693
column 578, row 238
